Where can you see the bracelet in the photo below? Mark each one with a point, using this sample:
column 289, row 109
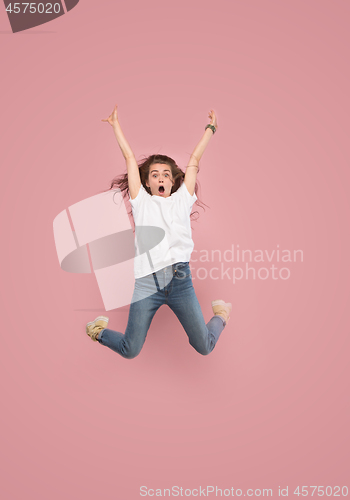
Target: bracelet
column 211, row 128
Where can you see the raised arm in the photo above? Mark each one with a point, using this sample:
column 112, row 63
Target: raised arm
column 192, row 167
column 134, row 180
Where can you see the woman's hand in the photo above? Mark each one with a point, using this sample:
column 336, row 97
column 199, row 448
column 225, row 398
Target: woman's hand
column 213, row 119
column 113, row 118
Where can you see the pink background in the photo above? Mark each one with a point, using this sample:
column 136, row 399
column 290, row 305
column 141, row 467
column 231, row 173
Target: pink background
column 269, row 407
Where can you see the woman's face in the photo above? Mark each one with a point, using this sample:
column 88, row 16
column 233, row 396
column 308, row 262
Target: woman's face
column 160, row 180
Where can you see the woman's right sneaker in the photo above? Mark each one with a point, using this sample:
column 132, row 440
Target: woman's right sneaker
column 94, row 327
column 222, row 309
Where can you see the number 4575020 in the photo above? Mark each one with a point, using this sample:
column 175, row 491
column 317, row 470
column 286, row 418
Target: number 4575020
column 33, row 8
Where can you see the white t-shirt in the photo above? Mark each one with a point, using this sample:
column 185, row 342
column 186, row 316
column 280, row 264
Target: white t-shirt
column 154, row 249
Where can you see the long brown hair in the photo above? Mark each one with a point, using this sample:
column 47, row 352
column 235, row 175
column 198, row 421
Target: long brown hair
column 121, row 181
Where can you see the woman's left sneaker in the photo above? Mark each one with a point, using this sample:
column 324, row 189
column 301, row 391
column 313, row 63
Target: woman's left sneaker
column 94, row 327
column 222, row 309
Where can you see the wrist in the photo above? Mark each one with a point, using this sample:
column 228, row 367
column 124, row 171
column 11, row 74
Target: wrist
column 211, row 127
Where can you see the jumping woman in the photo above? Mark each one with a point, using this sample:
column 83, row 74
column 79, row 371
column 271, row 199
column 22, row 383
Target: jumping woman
column 161, row 196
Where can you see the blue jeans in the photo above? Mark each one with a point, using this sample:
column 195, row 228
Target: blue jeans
column 174, row 288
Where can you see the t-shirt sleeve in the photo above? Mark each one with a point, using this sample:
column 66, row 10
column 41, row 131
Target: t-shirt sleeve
column 139, row 200
column 185, row 196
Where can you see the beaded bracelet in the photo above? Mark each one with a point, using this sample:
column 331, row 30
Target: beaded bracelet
column 211, row 128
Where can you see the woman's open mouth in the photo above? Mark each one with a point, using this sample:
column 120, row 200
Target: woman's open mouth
column 161, row 189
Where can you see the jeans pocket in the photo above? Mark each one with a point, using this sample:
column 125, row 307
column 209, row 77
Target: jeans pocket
column 182, row 270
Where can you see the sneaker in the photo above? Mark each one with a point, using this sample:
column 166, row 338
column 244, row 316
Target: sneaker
column 222, row 309
column 94, row 327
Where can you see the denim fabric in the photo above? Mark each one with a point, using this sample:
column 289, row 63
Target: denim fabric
column 174, row 288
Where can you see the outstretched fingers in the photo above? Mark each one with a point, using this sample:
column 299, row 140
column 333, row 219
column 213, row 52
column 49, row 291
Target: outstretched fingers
column 213, row 119
column 113, row 117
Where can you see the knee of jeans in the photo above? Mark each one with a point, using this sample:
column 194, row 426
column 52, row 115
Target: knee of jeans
column 131, row 355
column 204, row 352
column 131, row 352
column 202, row 349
